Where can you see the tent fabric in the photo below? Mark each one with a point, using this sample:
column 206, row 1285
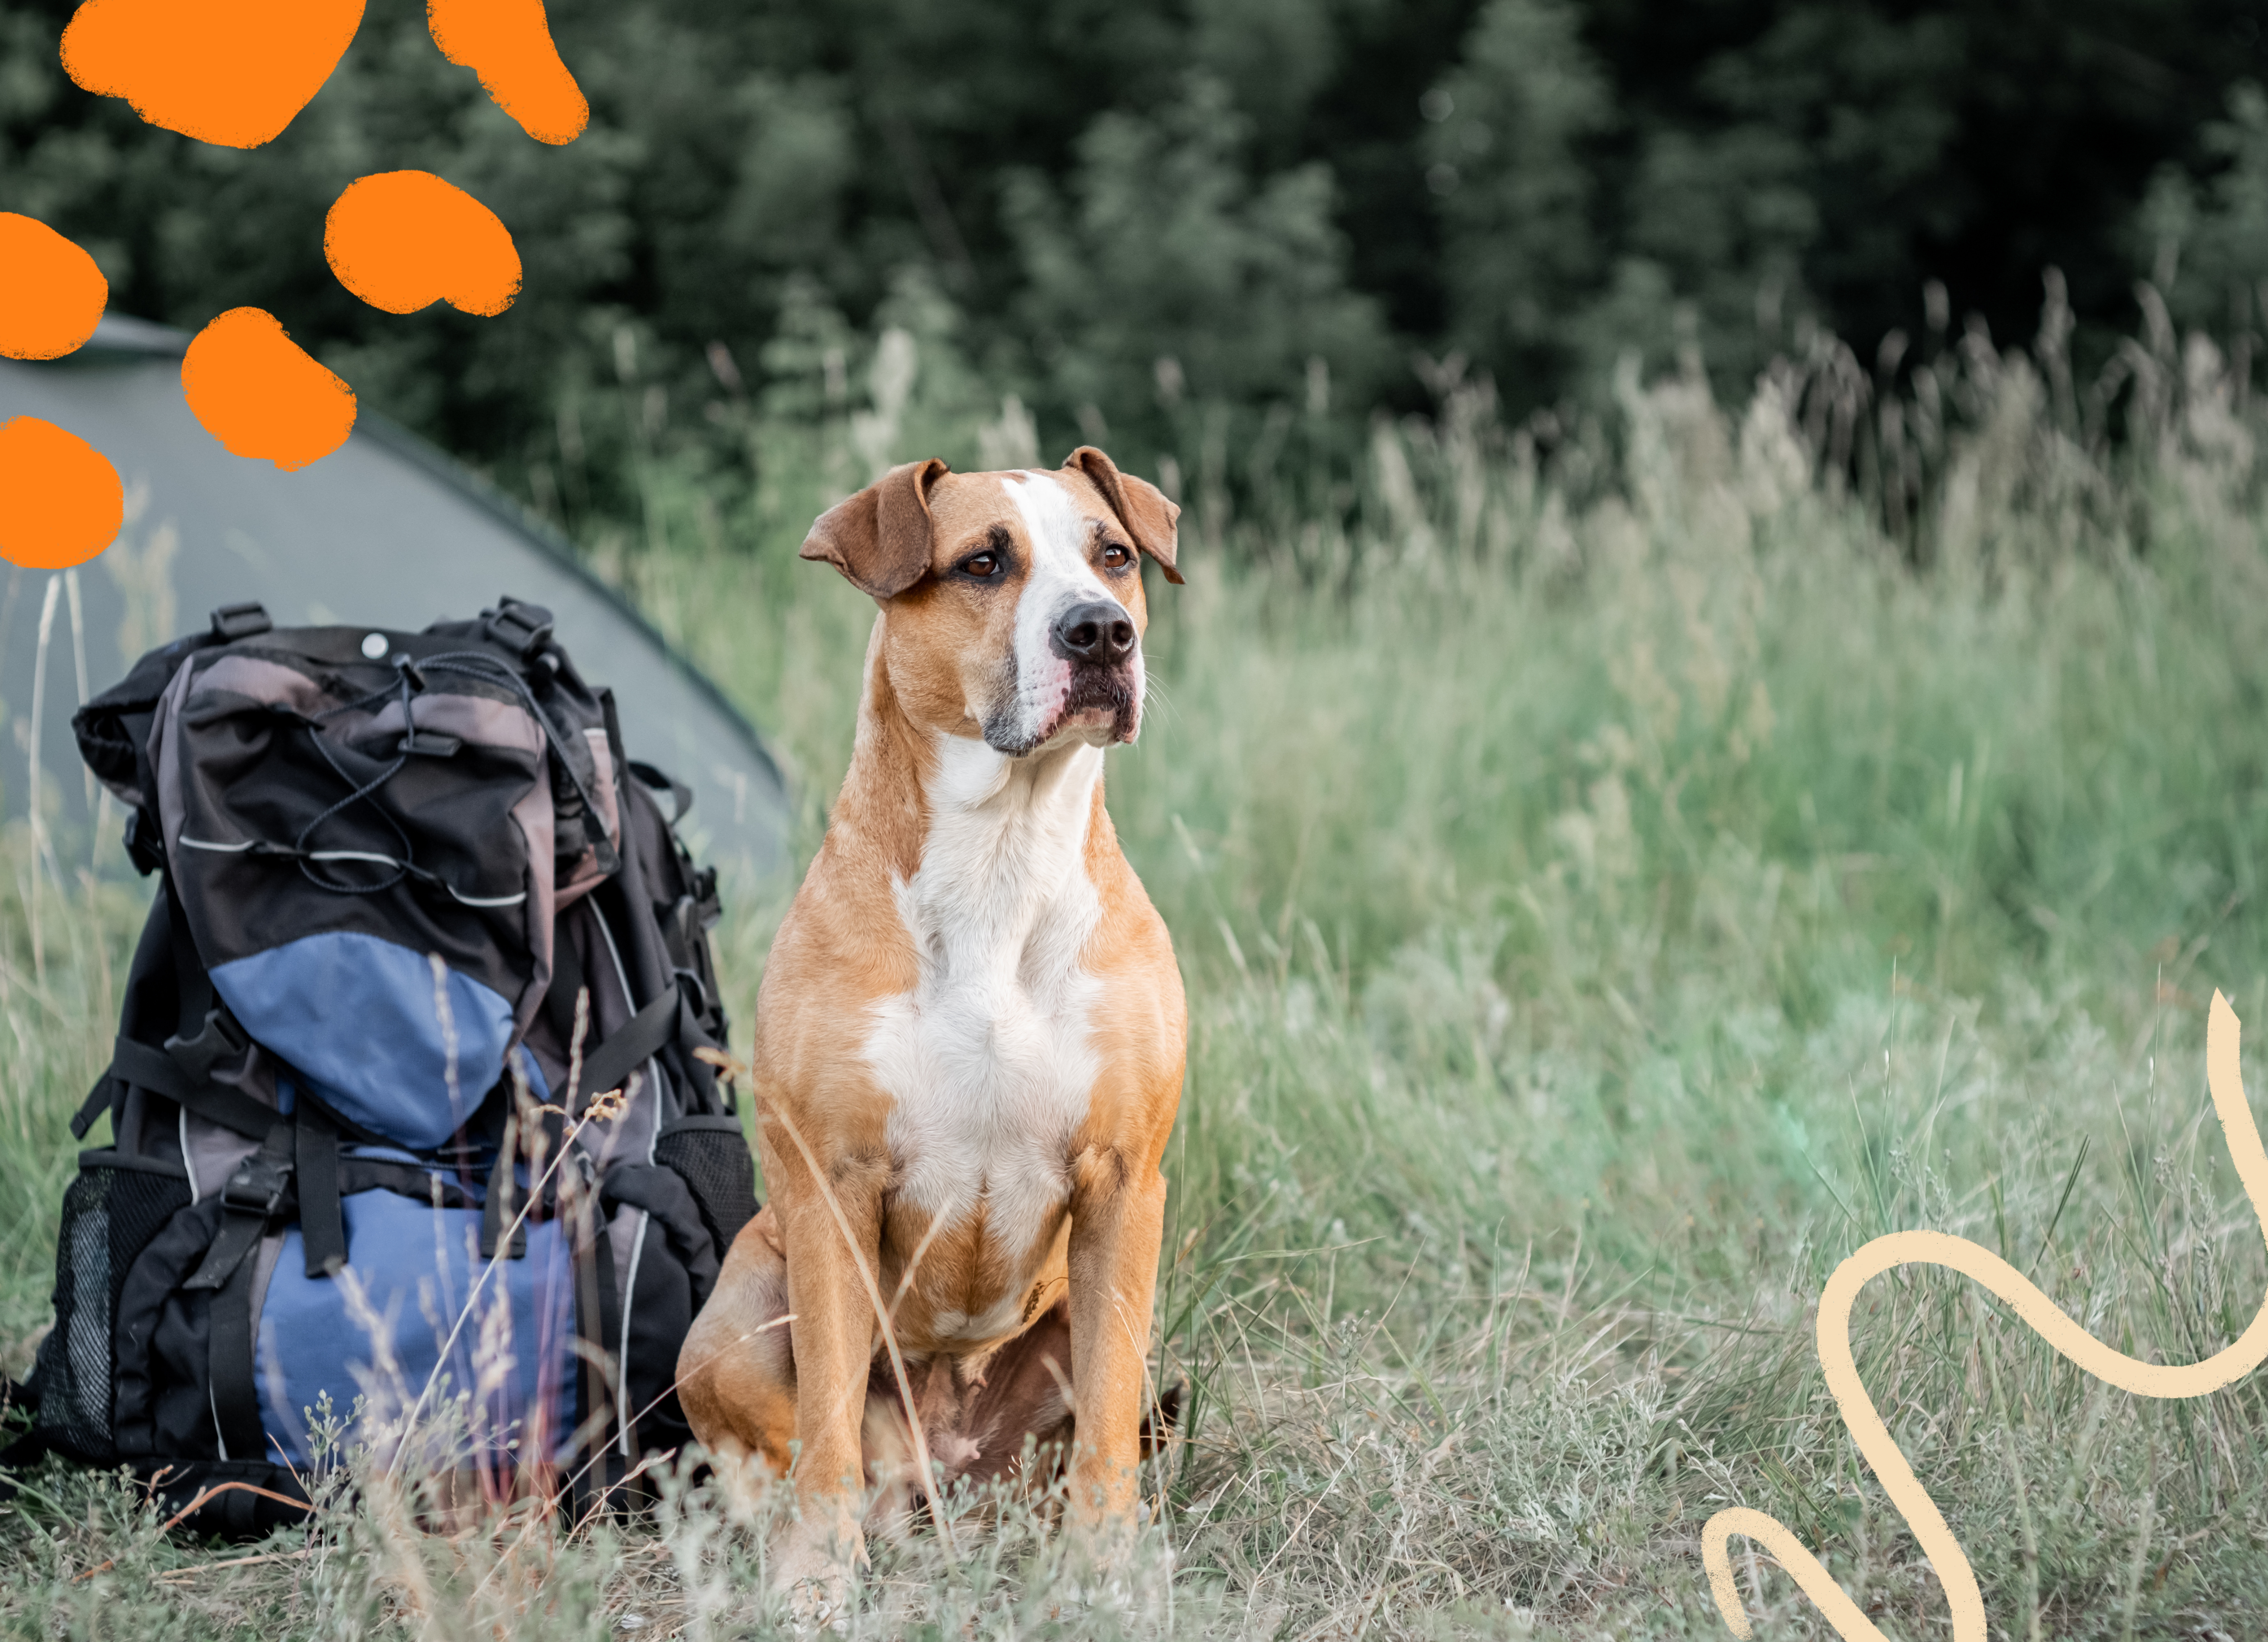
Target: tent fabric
column 385, row 529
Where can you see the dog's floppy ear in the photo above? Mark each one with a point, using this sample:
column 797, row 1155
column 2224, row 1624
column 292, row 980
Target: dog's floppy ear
column 1141, row 507
column 879, row 539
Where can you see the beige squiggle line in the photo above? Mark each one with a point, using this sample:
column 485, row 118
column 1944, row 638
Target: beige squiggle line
column 2045, row 1318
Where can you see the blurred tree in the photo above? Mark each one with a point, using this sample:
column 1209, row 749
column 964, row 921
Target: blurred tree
column 1506, row 155
column 1785, row 160
column 1163, row 271
column 2205, row 238
column 1274, row 56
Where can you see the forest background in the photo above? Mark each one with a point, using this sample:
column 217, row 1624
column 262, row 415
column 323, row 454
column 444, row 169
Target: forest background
column 1212, row 233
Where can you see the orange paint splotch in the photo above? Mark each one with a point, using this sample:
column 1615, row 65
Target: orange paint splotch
column 232, row 73
column 261, row 395
column 403, row 240
column 61, row 503
column 508, row 44
column 51, row 293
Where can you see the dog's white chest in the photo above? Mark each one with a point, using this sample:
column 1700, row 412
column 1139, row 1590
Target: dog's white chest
column 988, row 1060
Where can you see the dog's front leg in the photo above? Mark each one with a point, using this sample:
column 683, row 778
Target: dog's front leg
column 833, row 1337
column 1117, row 1218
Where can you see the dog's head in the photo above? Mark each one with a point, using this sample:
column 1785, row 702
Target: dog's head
column 1011, row 602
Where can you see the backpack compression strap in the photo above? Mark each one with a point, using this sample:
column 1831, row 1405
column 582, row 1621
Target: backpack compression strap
column 643, row 1036
column 663, row 1022
column 315, row 1160
column 254, row 1194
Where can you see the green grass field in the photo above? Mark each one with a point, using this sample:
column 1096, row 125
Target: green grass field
column 1604, row 906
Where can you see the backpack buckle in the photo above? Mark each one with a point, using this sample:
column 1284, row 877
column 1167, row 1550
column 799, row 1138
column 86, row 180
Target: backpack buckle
column 220, row 1039
column 145, row 846
column 257, row 1186
column 232, row 622
column 525, row 628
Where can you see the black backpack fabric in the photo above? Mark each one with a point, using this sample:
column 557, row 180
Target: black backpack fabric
column 421, row 928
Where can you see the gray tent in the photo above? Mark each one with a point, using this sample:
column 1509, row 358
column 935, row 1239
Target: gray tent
column 386, row 530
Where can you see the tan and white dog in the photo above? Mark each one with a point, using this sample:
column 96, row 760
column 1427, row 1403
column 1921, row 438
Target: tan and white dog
column 969, row 1041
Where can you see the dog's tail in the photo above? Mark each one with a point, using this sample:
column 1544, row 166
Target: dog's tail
column 1161, row 1418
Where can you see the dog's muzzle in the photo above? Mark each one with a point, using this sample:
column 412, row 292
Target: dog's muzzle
column 1097, row 670
column 1098, row 640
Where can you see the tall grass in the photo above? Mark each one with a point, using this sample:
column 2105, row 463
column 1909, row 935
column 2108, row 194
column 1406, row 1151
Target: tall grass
column 1610, row 889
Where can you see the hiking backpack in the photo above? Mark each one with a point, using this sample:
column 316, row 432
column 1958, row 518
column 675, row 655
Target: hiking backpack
column 406, row 1099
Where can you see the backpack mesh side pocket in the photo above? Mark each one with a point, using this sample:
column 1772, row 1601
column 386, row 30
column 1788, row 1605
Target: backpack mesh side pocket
column 110, row 1214
column 711, row 1155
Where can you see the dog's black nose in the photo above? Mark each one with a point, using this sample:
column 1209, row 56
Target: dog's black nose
column 1097, row 631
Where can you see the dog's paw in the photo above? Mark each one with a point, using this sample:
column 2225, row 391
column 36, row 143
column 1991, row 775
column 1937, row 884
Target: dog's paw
column 812, row 1571
column 1113, row 1569
column 819, row 1606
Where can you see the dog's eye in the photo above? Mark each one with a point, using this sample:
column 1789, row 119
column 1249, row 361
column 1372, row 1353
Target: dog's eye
column 980, row 564
column 1116, row 557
